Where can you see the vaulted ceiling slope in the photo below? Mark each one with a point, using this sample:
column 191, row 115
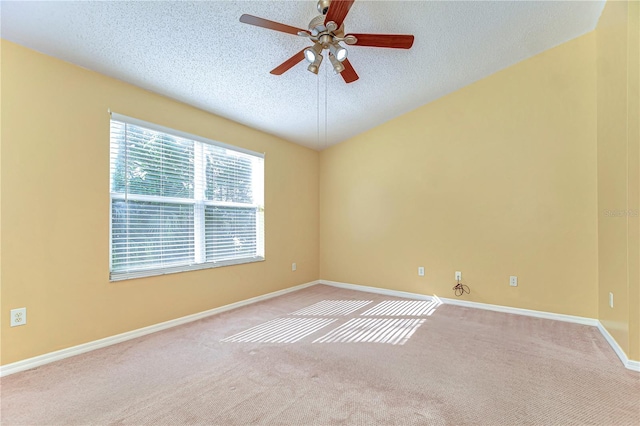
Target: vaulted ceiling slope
column 199, row 53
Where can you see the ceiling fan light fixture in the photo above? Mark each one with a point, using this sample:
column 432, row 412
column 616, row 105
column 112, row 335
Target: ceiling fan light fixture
column 310, row 55
column 315, row 66
column 337, row 65
column 338, row 51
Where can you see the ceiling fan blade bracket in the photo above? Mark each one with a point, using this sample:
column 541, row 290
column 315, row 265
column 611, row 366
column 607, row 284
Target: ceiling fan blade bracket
column 350, row 39
column 339, row 33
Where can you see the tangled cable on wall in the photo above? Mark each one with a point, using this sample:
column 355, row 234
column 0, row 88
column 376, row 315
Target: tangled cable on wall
column 460, row 288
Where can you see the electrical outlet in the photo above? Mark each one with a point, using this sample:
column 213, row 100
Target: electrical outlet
column 18, row 317
column 513, row 281
column 294, row 267
column 458, row 275
column 421, row 271
column 611, row 300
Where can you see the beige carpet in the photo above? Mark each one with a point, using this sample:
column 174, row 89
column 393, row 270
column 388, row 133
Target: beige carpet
column 324, row 356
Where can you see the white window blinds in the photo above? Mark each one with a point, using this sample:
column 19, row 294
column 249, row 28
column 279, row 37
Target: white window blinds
column 180, row 202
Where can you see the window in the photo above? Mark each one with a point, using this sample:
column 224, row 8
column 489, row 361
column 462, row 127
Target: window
column 180, row 202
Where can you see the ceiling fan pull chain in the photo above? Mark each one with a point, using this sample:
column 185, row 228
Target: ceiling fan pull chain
column 326, row 108
column 318, row 109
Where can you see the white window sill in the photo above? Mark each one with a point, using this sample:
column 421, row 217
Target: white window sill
column 121, row 276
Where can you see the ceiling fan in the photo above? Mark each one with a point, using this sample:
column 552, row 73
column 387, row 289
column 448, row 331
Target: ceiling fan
column 326, row 32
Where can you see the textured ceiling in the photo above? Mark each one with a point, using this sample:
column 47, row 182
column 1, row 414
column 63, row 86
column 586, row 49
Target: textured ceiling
column 199, row 53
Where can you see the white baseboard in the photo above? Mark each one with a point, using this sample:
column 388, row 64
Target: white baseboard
column 520, row 311
column 377, row 290
column 467, row 304
column 630, row 364
column 37, row 361
column 633, row 365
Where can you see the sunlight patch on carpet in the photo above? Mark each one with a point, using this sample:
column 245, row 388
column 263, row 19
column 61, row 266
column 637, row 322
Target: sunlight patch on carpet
column 373, row 330
column 281, row 330
column 332, row 307
column 410, row 308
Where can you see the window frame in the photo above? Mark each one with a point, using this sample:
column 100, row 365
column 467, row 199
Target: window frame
column 197, row 203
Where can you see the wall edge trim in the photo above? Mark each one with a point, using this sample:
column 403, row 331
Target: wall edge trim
column 468, row 304
column 628, row 363
column 377, row 290
column 29, row 363
column 521, row 311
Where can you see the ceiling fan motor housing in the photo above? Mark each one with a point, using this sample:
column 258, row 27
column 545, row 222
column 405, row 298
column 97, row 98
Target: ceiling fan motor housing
column 317, row 24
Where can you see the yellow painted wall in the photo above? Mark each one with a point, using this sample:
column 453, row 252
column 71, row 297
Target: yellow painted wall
column 496, row 179
column 619, row 172
column 55, row 209
column 633, row 50
column 612, row 170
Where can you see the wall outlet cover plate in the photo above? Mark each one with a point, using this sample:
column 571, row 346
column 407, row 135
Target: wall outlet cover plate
column 18, row 317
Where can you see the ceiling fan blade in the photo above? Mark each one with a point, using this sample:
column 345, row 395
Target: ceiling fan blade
column 289, row 63
column 338, row 10
column 394, row 41
column 348, row 74
column 271, row 25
